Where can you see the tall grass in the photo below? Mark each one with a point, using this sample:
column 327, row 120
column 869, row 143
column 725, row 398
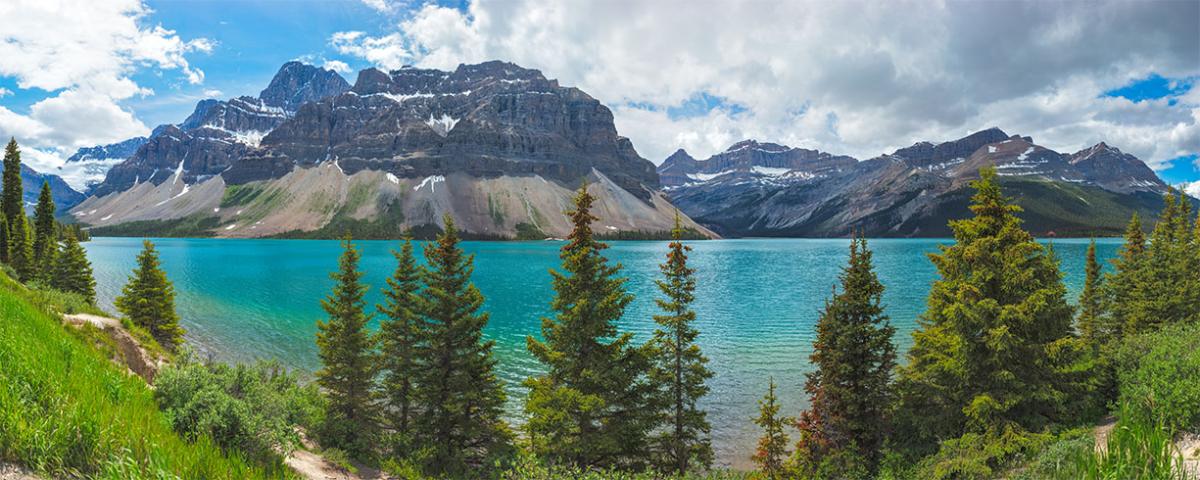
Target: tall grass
column 1134, row 450
column 66, row 411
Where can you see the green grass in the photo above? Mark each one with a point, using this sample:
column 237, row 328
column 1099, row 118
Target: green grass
column 66, row 411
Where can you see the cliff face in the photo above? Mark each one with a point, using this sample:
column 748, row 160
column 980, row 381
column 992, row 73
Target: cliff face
column 913, row 191
column 485, row 120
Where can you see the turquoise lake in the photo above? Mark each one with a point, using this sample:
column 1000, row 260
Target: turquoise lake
column 757, row 302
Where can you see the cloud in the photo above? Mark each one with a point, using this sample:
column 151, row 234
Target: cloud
column 1192, row 188
column 4, row 92
column 336, row 65
column 845, row 77
column 84, row 55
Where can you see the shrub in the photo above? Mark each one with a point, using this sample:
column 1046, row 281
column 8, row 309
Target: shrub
column 1157, row 377
column 252, row 409
column 981, row 455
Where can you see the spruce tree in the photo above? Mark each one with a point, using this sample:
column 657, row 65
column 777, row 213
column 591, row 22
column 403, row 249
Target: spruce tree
column 461, row 399
column 983, row 359
column 772, row 445
column 72, row 272
column 401, row 333
column 1090, row 328
column 20, row 248
column 4, row 238
column 148, row 300
column 678, row 367
column 591, row 407
column 348, row 361
column 1123, row 287
column 850, row 390
column 11, row 201
column 45, row 240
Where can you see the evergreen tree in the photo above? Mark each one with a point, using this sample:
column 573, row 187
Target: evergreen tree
column 772, row 445
column 401, row 334
column 983, row 359
column 43, row 226
column 850, row 389
column 72, row 272
column 20, row 249
column 11, row 201
column 461, row 399
column 348, row 359
column 1123, row 286
column 4, row 238
column 148, row 300
column 591, row 407
column 678, row 367
column 1090, row 327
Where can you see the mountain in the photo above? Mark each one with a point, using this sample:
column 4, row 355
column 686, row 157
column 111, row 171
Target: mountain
column 500, row 147
column 31, row 188
column 912, row 191
column 218, row 132
column 87, row 167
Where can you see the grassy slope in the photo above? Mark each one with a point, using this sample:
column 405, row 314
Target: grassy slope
column 67, row 411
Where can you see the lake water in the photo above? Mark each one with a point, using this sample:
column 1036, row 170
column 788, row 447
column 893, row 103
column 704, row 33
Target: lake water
column 757, row 302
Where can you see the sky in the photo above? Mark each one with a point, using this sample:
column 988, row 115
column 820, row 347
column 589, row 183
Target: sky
column 856, row 78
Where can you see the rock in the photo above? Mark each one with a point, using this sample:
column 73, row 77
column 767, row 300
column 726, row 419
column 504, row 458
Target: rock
column 297, row 83
column 64, row 196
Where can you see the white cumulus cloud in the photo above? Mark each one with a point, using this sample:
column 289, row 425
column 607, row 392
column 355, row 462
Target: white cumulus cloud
column 846, row 77
column 83, row 54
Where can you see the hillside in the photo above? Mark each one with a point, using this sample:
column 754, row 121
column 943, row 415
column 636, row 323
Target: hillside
column 66, row 411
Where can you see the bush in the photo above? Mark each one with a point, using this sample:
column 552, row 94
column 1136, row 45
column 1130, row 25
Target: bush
column 980, row 456
column 1157, row 377
column 251, row 409
column 58, row 301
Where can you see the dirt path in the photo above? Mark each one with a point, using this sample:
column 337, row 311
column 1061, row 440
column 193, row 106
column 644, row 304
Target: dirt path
column 136, row 358
column 315, row 467
column 9, row 471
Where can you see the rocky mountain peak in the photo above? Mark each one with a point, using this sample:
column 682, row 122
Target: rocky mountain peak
column 297, row 83
column 751, row 144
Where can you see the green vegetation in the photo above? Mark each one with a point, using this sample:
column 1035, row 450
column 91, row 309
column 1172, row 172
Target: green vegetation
column 678, row 369
column 248, row 409
column 400, row 334
column 190, row 226
column 687, row 233
column 846, row 426
column 72, row 413
column 349, row 363
column 527, row 231
column 772, row 446
column 387, row 225
column 72, row 272
column 460, row 397
column 45, row 239
column 148, row 300
column 590, row 407
column 236, row 195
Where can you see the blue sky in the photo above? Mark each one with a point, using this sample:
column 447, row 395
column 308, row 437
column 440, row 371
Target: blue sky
column 677, row 74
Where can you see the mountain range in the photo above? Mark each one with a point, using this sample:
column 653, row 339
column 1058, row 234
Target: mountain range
column 764, row 189
column 501, row 148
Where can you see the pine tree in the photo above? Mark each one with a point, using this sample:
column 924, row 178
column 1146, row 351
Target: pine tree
column 772, row 445
column 591, row 407
column 1123, row 286
column 850, row 389
column 983, row 359
column 348, row 359
column 45, row 238
column 401, row 333
column 1091, row 330
column 11, row 201
column 148, row 300
column 461, row 399
column 72, row 272
column 678, row 367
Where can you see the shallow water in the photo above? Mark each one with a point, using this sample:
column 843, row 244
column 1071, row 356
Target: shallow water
column 757, row 302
